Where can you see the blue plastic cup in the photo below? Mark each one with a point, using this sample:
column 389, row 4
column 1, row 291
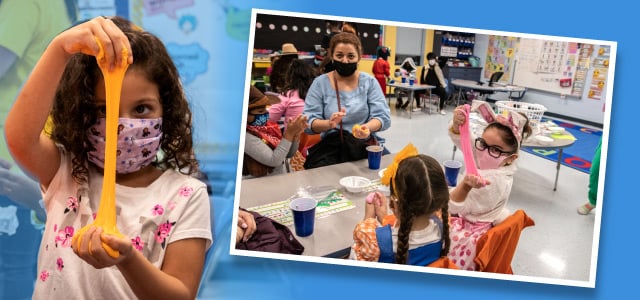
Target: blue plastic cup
column 411, row 81
column 304, row 215
column 375, row 156
column 404, row 80
column 451, row 171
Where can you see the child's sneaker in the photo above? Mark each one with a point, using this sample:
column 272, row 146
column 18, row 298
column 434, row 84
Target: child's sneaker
column 585, row 209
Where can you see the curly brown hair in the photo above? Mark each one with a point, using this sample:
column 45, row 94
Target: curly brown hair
column 279, row 70
column 421, row 190
column 298, row 78
column 74, row 109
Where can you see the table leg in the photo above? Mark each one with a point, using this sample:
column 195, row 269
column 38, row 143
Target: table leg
column 386, row 96
column 395, row 94
column 555, row 185
column 410, row 102
column 424, row 103
column 453, row 155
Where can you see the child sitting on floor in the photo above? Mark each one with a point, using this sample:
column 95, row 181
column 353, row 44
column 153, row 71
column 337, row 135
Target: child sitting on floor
column 417, row 233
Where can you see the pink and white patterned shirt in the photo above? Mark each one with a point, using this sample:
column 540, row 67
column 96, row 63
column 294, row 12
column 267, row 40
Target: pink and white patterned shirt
column 173, row 207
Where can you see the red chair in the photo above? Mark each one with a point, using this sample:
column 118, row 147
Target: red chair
column 495, row 249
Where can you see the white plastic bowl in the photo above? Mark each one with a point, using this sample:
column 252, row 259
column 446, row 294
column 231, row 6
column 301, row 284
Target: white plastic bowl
column 543, row 140
column 354, row 184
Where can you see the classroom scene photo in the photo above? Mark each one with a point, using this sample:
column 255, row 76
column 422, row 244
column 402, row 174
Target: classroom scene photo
column 378, row 144
column 187, row 149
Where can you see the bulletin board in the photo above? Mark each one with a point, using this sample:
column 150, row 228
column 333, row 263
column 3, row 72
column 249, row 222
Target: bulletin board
column 272, row 31
column 500, row 56
column 546, row 65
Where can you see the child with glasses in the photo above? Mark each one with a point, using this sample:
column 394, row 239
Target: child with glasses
column 479, row 202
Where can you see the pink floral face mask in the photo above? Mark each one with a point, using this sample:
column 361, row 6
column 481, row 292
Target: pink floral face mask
column 138, row 143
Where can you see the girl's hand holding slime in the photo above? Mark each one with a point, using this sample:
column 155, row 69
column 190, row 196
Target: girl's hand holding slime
column 475, row 181
column 91, row 248
column 376, row 206
column 374, row 198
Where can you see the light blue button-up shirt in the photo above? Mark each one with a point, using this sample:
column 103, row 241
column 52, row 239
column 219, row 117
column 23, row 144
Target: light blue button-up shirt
column 362, row 104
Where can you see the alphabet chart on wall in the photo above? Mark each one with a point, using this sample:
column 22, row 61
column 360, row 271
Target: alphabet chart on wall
column 546, row 65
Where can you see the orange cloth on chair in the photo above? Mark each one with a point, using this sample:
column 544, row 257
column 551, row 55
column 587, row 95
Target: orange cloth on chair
column 444, row 263
column 496, row 248
column 306, row 141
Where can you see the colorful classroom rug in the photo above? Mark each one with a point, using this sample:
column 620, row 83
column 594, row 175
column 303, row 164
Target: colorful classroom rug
column 578, row 155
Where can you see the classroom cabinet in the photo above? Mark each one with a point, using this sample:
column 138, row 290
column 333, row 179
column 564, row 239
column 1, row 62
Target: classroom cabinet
column 453, row 44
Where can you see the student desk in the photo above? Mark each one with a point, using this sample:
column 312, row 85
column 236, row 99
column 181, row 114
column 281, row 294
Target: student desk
column 411, row 89
column 332, row 235
column 497, row 87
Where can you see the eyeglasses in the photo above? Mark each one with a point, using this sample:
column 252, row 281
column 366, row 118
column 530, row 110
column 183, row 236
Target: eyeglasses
column 494, row 152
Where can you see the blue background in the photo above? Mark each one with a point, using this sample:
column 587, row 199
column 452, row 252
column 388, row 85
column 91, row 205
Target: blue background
column 244, row 277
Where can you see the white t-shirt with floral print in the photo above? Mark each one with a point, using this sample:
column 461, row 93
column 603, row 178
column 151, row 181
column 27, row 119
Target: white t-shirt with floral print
column 172, row 208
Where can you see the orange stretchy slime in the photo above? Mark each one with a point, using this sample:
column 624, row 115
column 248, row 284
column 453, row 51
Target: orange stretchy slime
column 106, row 215
column 357, row 128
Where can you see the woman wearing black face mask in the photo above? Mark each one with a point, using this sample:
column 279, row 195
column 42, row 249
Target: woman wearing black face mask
column 265, row 146
column 432, row 75
column 361, row 99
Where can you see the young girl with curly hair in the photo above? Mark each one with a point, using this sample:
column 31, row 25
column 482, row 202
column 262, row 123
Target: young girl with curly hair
column 162, row 213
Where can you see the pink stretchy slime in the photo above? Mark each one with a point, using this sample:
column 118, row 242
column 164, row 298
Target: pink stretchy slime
column 373, row 197
column 465, row 144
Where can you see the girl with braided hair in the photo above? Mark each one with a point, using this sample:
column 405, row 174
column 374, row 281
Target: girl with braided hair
column 417, row 231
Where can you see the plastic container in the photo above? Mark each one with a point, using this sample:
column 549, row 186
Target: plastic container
column 533, row 111
column 354, row 184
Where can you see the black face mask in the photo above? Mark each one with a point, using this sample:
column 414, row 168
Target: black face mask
column 345, row 69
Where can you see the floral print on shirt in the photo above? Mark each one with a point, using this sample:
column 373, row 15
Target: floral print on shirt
column 44, row 275
column 163, row 232
column 64, row 236
column 60, row 264
column 185, row 191
column 172, row 204
column 72, row 204
column 157, row 210
column 137, row 243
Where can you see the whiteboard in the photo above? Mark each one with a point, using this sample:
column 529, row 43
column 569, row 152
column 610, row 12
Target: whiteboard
column 546, row 65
